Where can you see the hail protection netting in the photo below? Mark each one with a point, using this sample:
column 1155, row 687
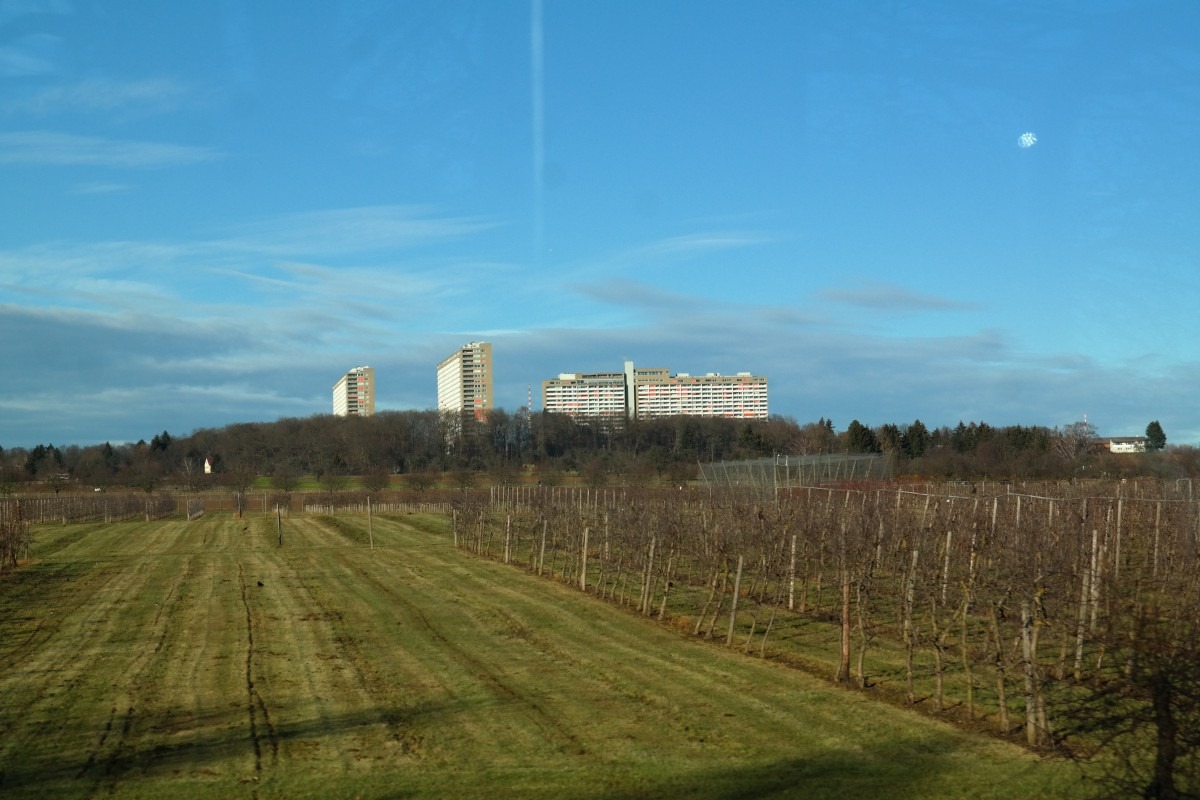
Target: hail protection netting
column 790, row 471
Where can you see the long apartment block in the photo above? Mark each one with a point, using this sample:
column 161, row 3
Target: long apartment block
column 646, row 393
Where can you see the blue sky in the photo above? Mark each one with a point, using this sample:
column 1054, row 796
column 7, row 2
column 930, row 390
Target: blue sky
column 213, row 210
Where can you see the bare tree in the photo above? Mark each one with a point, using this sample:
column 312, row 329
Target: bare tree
column 239, row 478
column 14, row 535
column 1074, row 441
column 192, row 476
column 419, row 481
column 376, row 479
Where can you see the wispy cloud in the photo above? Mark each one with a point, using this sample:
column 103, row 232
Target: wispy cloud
column 11, row 9
column 345, row 261
column 662, row 255
column 49, row 148
column 30, row 55
column 706, row 313
column 893, row 297
column 103, row 95
column 625, row 292
column 350, row 230
column 100, row 187
column 699, row 243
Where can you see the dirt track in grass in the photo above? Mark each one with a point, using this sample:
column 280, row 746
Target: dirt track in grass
column 203, row 659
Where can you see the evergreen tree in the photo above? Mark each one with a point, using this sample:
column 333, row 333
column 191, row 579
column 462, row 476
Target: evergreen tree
column 1158, row 439
column 916, row 439
column 860, row 438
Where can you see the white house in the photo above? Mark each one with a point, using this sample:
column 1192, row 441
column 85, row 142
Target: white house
column 1123, row 444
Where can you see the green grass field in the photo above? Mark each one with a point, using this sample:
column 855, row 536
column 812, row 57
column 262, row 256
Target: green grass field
column 204, row 660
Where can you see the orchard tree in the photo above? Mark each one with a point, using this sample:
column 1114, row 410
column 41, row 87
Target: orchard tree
column 1139, row 721
column 192, row 476
column 285, row 479
column 239, row 477
column 376, row 479
column 419, row 481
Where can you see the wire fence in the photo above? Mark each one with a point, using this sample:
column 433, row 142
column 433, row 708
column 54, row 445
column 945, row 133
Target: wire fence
column 86, row 508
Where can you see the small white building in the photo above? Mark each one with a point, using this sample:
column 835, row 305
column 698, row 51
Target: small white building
column 1124, row 444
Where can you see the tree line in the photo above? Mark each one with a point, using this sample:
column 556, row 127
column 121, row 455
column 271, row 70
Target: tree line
column 637, row 452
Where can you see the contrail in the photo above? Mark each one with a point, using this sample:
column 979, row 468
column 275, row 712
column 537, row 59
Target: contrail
column 539, row 156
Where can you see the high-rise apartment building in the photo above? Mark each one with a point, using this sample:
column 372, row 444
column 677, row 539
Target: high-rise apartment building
column 354, row 393
column 464, row 381
column 647, row 393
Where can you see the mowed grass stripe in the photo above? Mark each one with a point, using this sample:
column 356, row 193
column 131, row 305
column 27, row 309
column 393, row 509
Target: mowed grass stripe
column 416, row 670
column 599, row 654
column 326, row 704
column 109, row 633
column 396, row 646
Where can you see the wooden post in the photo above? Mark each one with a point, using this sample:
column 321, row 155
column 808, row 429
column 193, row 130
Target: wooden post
column 737, row 587
column 542, row 551
column 582, row 561
column 662, row 609
column 946, row 566
column 648, row 583
column 1094, row 583
column 1085, row 592
column 843, row 673
column 370, row 527
column 1117, row 555
column 279, row 525
column 1157, row 522
column 909, row 633
column 1001, row 664
column 507, row 537
column 792, row 577
column 1031, row 732
column 712, row 591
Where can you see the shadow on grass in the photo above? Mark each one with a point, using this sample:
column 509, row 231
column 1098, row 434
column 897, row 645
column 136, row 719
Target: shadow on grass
column 903, row 770
column 214, row 754
column 135, row 751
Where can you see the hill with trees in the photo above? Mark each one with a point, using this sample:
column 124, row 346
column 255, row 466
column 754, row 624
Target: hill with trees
column 510, row 447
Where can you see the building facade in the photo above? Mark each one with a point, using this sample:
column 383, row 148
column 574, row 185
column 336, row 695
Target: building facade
column 712, row 395
column 1121, row 444
column 648, row 393
column 464, row 381
column 354, row 393
column 599, row 394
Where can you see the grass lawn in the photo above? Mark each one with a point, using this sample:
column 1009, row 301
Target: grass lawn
column 203, row 660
